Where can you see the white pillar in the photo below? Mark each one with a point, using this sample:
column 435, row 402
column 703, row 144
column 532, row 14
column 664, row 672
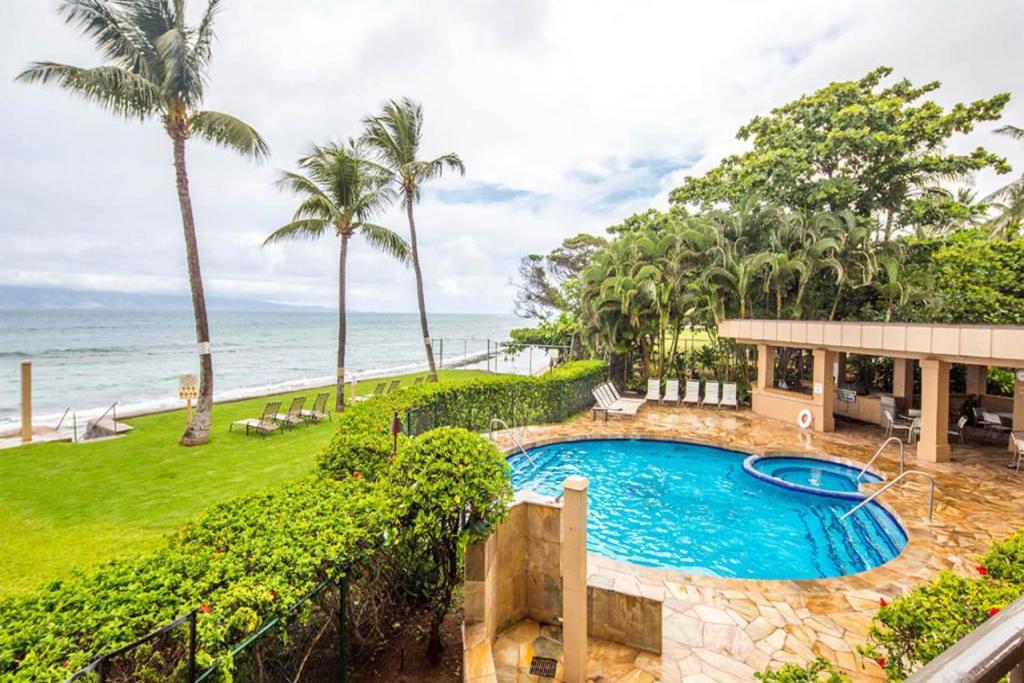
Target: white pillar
column 934, row 443
column 26, row 401
column 824, row 390
column 574, row 579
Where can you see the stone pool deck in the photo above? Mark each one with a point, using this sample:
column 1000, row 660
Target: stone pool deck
column 726, row 629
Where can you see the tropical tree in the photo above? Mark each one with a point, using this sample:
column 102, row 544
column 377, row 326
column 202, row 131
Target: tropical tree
column 1009, row 199
column 340, row 191
column 155, row 65
column 395, row 136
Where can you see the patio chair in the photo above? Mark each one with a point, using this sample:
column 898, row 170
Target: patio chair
column 958, row 431
column 319, row 410
column 993, row 425
column 610, row 386
column 729, row 396
column 394, row 385
column 893, row 426
column 710, row 394
column 609, row 405
column 671, row 391
column 653, row 390
column 377, row 391
column 692, row 392
column 294, row 415
column 264, row 424
column 1018, row 445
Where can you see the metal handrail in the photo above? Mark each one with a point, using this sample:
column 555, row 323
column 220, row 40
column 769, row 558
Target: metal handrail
column 490, row 435
column 61, row 421
column 876, row 494
column 113, row 406
column 879, row 452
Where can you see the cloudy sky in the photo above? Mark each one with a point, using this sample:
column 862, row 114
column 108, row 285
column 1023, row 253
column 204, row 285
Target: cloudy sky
column 569, row 116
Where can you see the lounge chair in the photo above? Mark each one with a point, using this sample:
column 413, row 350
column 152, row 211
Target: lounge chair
column 710, row 394
column 653, row 390
column 377, row 391
column 619, row 397
column 729, row 395
column 958, row 431
column 609, row 405
column 1018, row 444
column 671, row 391
column 294, row 415
column 265, row 424
column 394, row 385
column 692, row 392
column 319, row 410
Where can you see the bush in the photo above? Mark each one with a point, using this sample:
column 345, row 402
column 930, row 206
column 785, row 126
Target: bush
column 450, row 487
column 359, row 454
column 916, row 628
column 817, row 671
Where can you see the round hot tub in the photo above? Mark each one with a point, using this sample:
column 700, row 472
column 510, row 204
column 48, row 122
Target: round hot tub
column 810, row 474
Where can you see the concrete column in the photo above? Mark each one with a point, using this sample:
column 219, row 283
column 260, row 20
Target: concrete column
column 26, row 401
column 824, row 390
column 765, row 366
column 977, row 379
column 1018, row 408
column 574, row 579
column 934, row 443
column 903, row 380
column 840, row 368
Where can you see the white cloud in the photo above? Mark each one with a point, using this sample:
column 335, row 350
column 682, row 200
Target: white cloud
column 569, row 115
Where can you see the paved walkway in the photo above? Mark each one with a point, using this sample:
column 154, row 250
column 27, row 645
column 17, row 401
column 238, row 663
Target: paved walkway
column 726, row 629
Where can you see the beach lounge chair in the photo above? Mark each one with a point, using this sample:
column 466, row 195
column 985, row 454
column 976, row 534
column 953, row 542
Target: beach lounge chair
column 958, row 431
column 729, row 395
column 609, row 405
column 619, row 397
column 294, row 415
column 653, row 390
column 319, row 410
column 671, row 391
column 265, row 424
column 710, row 394
column 692, row 392
column 377, row 391
column 394, row 385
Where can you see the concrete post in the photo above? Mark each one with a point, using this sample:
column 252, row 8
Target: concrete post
column 840, row 368
column 26, row 401
column 824, row 390
column 574, row 579
column 977, row 380
column 903, row 381
column 1018, row 408
column 765, row 366
column 934, row 443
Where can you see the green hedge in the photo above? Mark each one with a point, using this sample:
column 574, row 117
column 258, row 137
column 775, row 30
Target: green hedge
column 914, row 629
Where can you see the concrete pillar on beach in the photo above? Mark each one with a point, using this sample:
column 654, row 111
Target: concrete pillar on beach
column 574, row 579
column 934, row 443
column 26, row 401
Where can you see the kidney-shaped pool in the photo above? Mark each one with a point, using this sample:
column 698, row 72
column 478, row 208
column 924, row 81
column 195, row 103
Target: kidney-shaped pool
column 695, row 509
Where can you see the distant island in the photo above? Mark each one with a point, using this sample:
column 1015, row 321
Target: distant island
column 23, row 298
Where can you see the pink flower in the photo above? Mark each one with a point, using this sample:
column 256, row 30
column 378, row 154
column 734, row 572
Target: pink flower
column 982, row 569
column 357, row 474
column 205, row 609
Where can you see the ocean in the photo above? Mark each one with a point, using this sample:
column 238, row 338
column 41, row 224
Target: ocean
column 87, row 359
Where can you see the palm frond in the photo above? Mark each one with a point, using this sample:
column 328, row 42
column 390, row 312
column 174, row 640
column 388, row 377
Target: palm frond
column 204, row 33
column 114, row 35
column 387, row 241
column 114, row 88
column 1014, row 132
column 309, row 228
column 228, row 131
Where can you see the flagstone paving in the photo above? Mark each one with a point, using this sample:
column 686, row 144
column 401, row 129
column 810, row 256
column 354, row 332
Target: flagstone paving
column 718, row 629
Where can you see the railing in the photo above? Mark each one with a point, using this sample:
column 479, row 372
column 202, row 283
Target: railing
column 986, row 654
column 490, row 435
column 879, row 452
column 876, row 494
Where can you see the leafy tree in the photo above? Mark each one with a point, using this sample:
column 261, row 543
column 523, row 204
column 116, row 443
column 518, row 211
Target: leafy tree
column 395, row 135
column 451, row 486
column 852, row 145
column 545, row 282
column 1009, row 199
column 156, row 66
column 340, row 191
column 818, row 671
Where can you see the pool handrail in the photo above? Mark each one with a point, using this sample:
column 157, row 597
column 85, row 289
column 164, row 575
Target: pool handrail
column 490, row 435
column 876, row 494
column 879, row 452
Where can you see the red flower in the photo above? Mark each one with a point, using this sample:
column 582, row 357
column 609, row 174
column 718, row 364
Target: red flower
column 67, row 663
column 880, row 661
column 218, row 551
column 357, row 474
column 994, row 611
column 882, row 602
column 205, row 609
column 982, row 569
column 273, row 595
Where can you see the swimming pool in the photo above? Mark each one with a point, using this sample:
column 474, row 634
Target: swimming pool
column 694, row 508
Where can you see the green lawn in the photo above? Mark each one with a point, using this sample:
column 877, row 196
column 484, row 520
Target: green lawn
column 66, row 506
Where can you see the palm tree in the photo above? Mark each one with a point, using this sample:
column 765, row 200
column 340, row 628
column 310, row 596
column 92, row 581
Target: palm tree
column 340, row 191
column 1009, row 199
column 156, row 66
column 395, row 135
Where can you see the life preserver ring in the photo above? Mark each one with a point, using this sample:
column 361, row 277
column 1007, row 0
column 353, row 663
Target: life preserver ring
column 804, row 418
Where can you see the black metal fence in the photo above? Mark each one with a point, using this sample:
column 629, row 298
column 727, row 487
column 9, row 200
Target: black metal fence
column 171, row 650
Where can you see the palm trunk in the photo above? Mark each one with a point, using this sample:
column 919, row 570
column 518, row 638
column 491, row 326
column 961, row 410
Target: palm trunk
column 339, row 397
column 409, row 198
column 198, row 430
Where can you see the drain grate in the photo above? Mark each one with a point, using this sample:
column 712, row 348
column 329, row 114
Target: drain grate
column 543, row 666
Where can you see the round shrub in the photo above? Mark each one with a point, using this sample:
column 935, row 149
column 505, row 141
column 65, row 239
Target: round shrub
column 358, row 454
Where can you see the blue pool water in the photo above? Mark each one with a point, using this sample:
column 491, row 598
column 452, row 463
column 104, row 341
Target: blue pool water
column 695, row 509
column 812, row 473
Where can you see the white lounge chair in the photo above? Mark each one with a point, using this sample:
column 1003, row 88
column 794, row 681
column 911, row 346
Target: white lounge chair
column 729, row 395
column 710, row 394
column 671, row 391
column 692, row 392
column 609, row 405
column 653, row 390
column 619, row 397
